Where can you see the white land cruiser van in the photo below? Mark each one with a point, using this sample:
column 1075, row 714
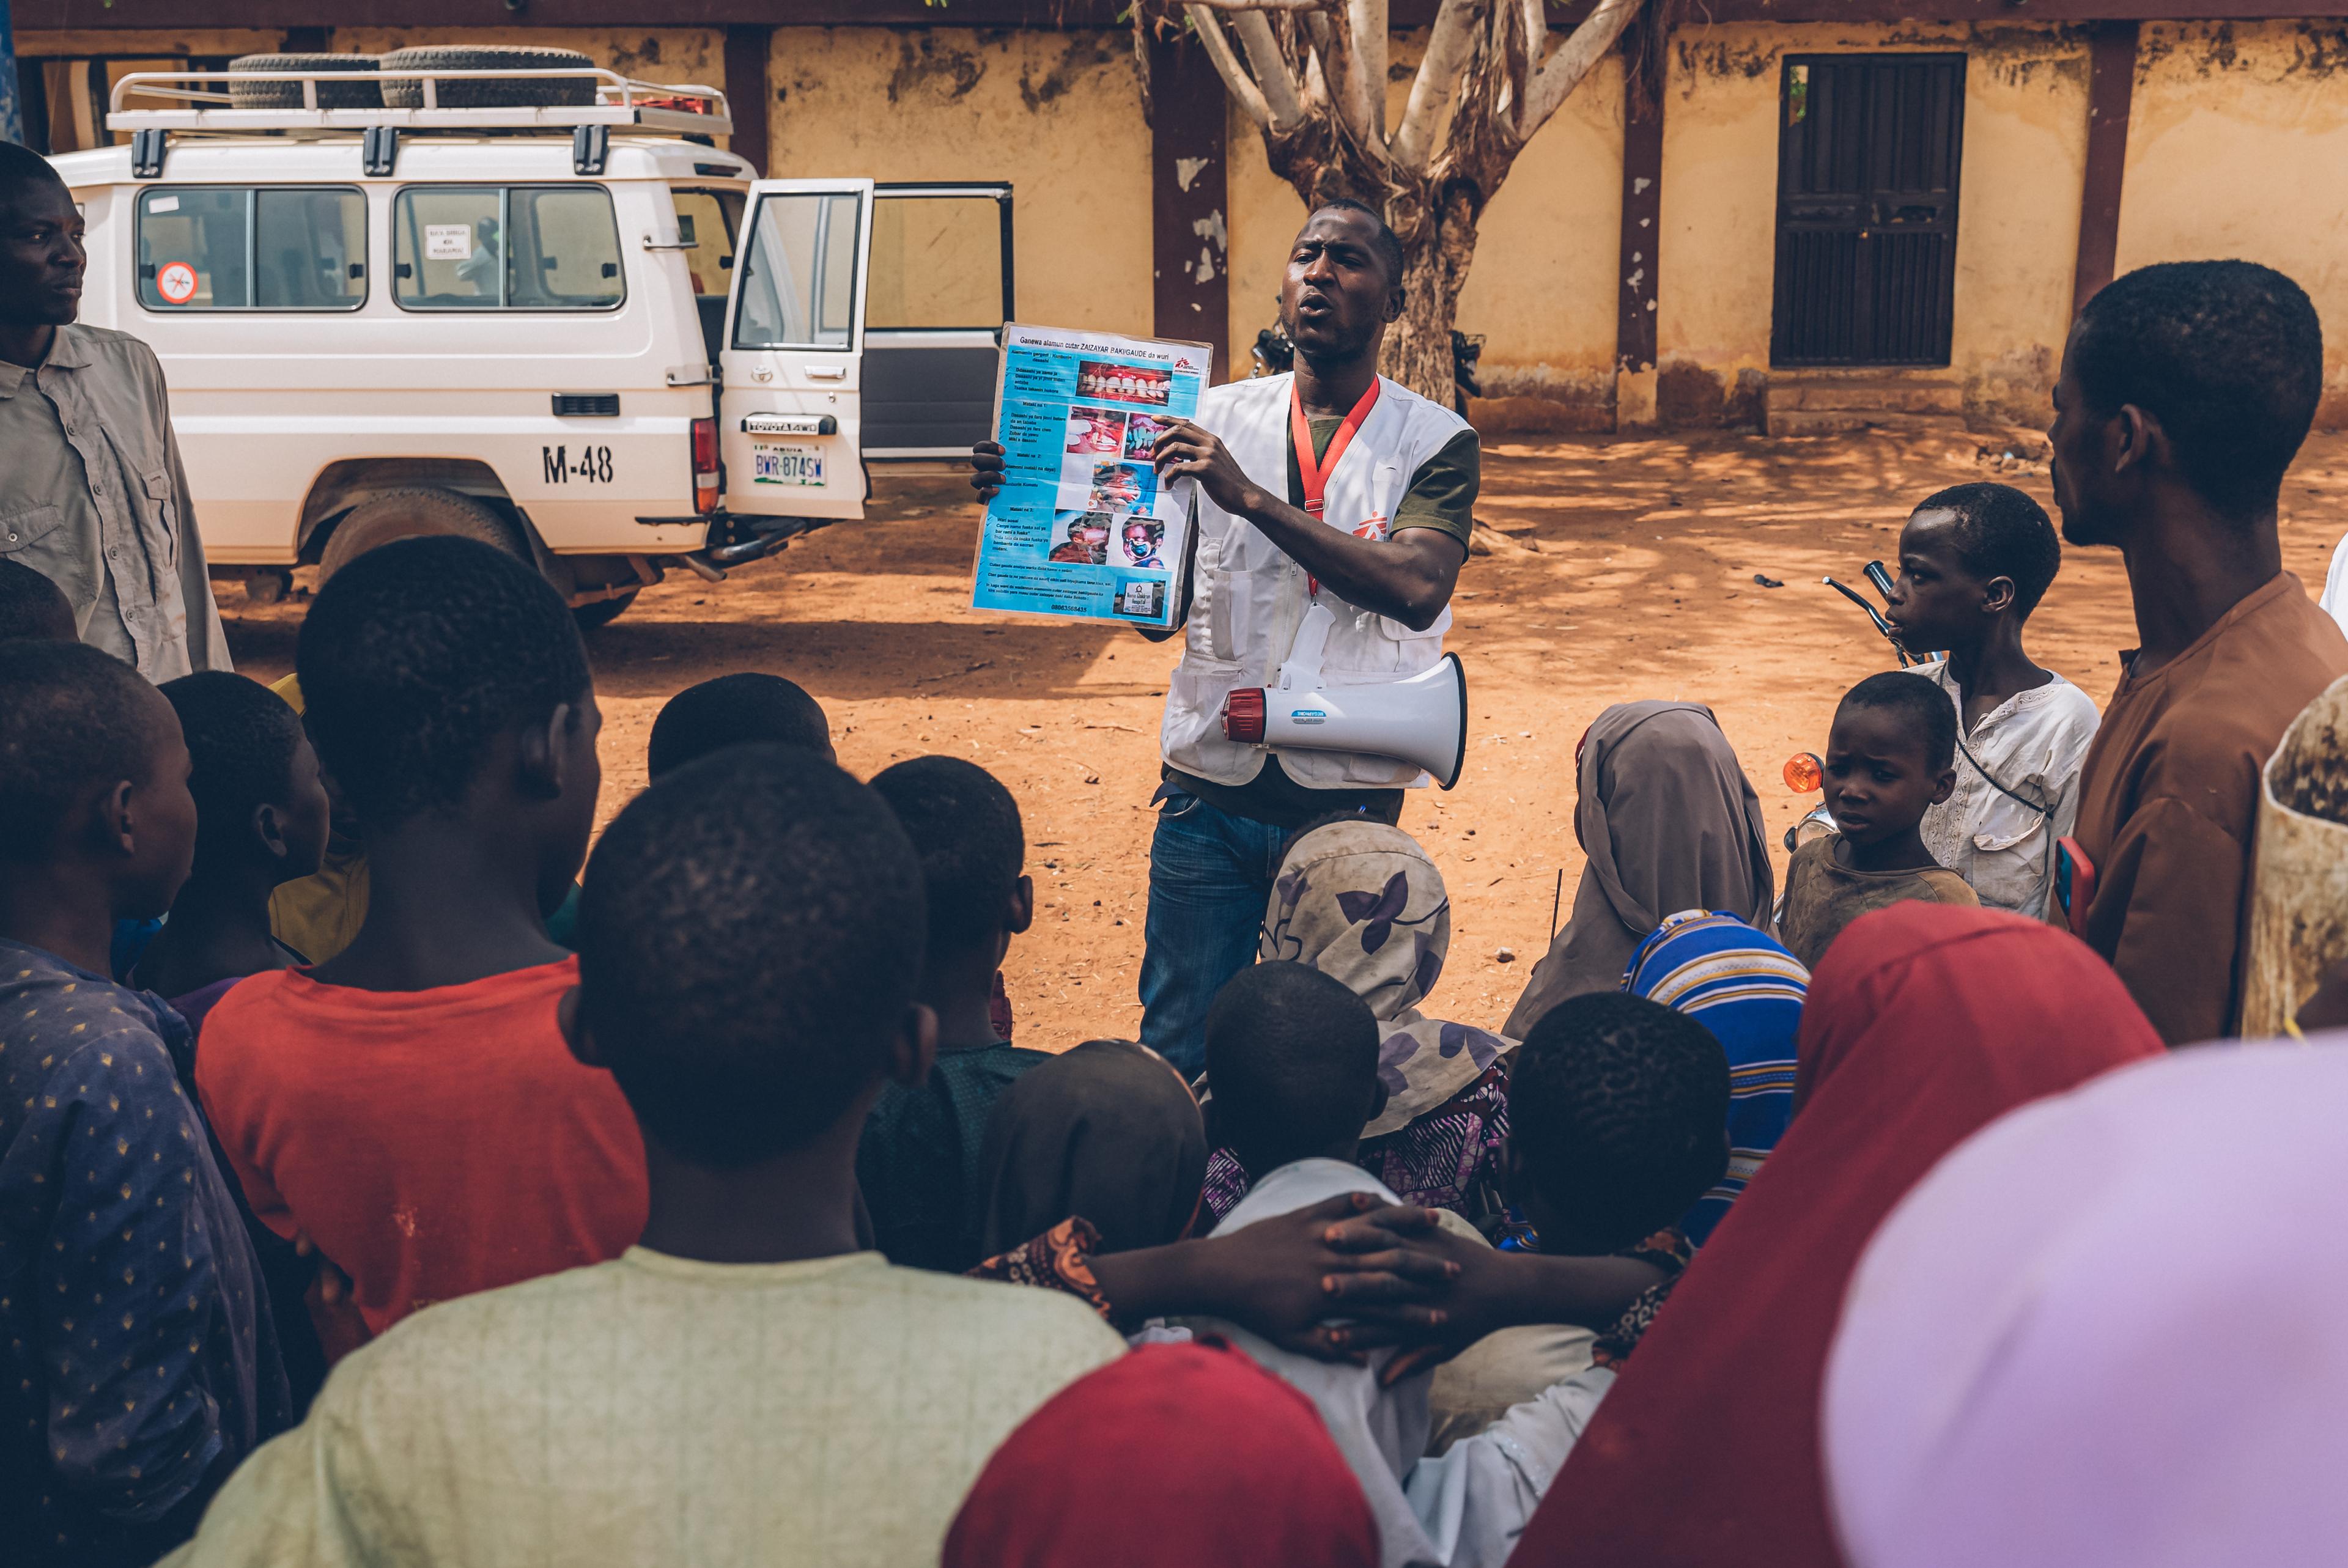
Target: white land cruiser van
column 559, row 326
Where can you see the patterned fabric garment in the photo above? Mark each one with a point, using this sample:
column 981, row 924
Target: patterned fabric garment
column 1668, row 1250
column 142, row 1363
column 1060, row 1260
column 1451, row 1157
column 1447, row 1159
column 1748, row 992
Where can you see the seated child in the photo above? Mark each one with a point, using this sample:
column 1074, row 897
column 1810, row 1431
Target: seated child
column 748, row 706
column 35, row 609
column 744, row 1386
column 918, row 1160
column 736, row 710
column 145, row 1365
column 409, row 1104
column 261, row 820
column 1890, row 757
column 1360, row 901
column 1619, row 1107
column 1291, row 1071
column 1747, row 991
column 1974, row 561
column 32, row 608
column 1107, row 1133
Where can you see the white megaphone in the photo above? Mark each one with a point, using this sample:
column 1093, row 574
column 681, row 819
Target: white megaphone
column 1420, row 719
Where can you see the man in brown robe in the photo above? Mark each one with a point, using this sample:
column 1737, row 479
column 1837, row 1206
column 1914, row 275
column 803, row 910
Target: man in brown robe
column 2185, row 390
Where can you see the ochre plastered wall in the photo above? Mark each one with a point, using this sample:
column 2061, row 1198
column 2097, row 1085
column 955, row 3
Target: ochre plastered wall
column 1056, row 114
column 2237, row 146
column 2018, row 207
column 1542, row 293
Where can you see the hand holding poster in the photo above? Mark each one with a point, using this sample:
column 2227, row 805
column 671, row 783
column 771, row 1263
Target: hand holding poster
column 1082, row 527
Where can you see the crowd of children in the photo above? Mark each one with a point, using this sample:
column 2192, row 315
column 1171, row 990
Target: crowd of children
column 696, row 1208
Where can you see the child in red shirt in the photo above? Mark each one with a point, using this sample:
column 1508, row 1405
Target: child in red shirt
column 409, row 1105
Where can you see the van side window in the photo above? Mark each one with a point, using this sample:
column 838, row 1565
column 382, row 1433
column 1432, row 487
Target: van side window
column 799, row 279
column 279, row 248
column 498, row 247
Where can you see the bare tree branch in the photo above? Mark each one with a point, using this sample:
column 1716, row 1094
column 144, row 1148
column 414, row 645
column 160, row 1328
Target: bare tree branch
column 1554, row 82
column 1236, row 81
column 1319, row 98
column 1266, row 4
column 1535, row 16
column 1448, row 44
column 1366, row 20
column 1281, row 94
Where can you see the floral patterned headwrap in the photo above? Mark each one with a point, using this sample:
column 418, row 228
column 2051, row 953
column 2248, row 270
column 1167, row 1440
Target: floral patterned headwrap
column 1361, row 902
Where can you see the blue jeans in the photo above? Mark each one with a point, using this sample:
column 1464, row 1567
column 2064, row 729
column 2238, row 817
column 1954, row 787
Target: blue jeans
column 1210, row 875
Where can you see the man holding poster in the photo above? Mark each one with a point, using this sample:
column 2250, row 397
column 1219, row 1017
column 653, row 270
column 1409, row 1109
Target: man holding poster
column 1332, row 487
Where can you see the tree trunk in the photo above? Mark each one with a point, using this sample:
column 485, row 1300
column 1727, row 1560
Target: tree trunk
column 1438, row 230
column 1437, row 253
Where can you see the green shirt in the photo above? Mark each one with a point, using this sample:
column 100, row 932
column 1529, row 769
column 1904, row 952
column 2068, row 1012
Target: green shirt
column 1441, row 495
column 917, row 1162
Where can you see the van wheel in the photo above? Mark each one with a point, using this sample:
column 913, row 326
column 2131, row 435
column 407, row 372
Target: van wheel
column 288, row 95
column 487, row 92
column 417, row 513
column 604, row 611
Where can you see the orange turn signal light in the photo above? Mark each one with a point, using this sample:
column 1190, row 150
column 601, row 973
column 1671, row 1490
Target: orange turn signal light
column 1805, row 772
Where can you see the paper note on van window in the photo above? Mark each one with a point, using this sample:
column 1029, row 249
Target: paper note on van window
column 447, row 241
column 1083, row 526
column 157, row 205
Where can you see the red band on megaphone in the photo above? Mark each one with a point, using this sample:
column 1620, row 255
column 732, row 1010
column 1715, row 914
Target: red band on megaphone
column 1243, row 715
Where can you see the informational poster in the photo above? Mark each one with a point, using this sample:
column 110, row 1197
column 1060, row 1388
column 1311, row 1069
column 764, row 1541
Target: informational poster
column 1082, row 527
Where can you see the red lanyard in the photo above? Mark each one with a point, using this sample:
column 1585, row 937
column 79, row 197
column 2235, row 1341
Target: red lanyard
column 1313, row 476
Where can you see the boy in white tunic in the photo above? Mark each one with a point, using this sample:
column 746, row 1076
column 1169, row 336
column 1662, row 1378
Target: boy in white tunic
column 1974, row 561
column 744, row 1389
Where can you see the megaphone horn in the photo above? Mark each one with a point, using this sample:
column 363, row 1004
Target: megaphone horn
column 1422, row 719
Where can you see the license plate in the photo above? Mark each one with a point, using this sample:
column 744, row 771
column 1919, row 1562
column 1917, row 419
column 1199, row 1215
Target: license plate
column 786, row 465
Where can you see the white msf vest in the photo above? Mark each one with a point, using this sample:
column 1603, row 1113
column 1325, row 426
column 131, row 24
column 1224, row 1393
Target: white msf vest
column 1248, row 597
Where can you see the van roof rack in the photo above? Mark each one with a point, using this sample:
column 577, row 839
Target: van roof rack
column 200, row 102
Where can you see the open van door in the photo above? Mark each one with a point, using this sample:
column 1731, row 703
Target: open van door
column 941, row 292
column 790, row 414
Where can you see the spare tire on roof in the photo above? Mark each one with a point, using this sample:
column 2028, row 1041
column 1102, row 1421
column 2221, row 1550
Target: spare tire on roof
column 288, row 95
column 487, row 92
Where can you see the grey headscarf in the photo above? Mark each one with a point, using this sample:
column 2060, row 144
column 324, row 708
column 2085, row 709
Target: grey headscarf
column 1669, row 822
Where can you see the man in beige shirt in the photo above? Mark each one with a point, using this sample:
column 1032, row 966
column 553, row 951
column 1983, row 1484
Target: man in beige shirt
column 92, row 495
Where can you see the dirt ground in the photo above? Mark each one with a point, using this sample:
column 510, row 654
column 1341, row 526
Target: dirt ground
column 1628, row 571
